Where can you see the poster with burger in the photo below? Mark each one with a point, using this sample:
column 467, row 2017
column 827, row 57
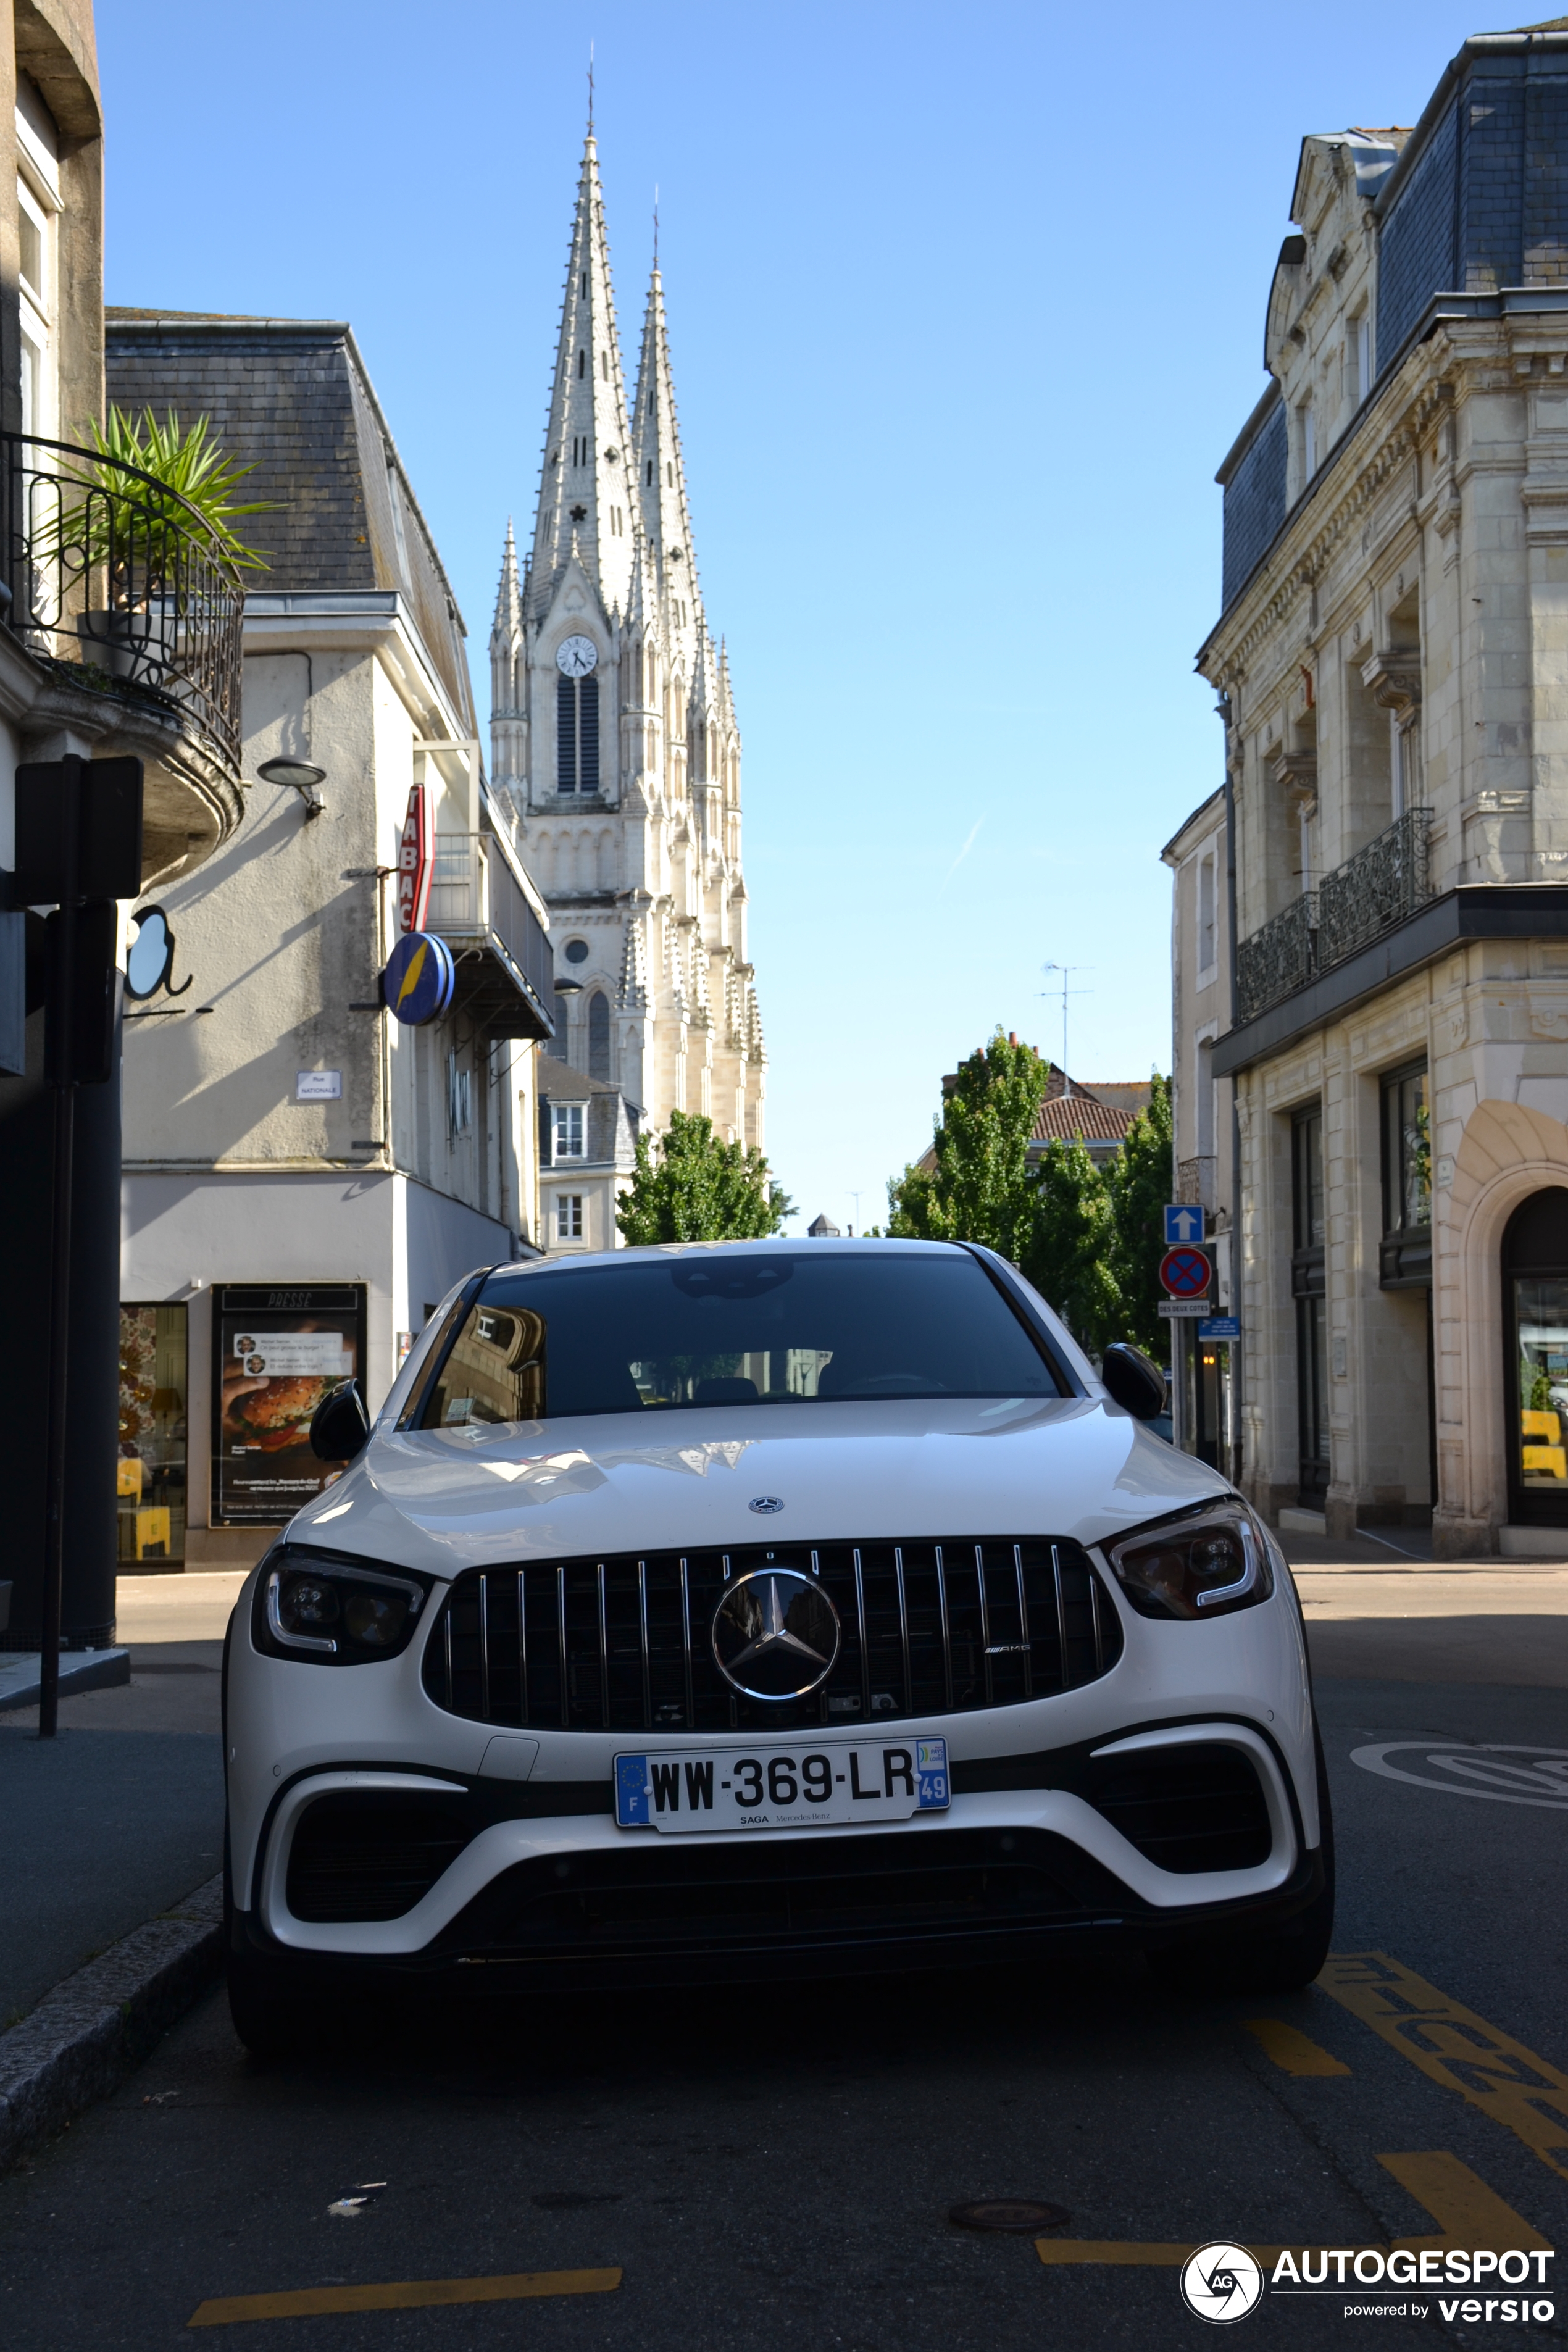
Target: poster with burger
column 274, row 1368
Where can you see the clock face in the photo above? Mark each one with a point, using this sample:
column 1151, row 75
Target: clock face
column 576, row 657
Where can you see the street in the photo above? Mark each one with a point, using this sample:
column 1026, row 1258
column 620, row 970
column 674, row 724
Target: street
column 754, row 2166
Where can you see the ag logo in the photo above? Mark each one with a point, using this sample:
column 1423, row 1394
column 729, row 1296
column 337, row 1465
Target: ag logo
column 1221, row 2283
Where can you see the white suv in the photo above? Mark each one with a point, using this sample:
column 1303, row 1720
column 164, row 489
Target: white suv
column 763, row 1607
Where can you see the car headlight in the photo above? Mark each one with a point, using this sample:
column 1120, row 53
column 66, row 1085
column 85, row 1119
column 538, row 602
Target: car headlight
column 313, row 1606
column 1202, row 1562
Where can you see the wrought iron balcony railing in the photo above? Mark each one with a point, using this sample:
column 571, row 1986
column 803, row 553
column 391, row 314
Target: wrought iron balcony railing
column 111, row 572
column 1356, row 904
column 1374, row 889
column 1278, row 960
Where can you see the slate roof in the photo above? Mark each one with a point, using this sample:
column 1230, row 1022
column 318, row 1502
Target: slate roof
column 291, row 397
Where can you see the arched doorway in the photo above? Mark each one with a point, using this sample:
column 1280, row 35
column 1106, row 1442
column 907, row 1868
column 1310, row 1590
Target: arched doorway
column 1535, row 1356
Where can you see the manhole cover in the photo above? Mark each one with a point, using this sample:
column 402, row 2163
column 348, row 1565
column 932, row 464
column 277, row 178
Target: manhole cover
column 1023, row 2214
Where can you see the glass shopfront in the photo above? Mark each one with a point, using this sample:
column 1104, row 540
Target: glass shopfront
column 151, row 1480
column 1535, row 1344
column 277, row 1353
column 1309, row 1285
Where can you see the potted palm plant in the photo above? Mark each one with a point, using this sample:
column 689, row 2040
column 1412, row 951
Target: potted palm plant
column 145, row 538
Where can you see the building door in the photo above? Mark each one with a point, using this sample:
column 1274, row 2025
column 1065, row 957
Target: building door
column 1309, row 1285
column 1535, row 1358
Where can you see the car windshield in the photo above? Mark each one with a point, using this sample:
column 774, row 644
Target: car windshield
column 813, row 1326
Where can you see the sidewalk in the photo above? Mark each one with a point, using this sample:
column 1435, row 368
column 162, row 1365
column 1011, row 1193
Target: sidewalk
column 1376, row 1614
column 121, row 1816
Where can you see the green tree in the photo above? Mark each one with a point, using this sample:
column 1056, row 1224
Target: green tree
column 1140, row 1183
column 698, row 1189
column 981, row 1187
column 1070, row 1249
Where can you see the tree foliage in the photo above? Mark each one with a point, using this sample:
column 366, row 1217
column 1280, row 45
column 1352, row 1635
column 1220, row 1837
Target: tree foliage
column 981, row 1189
column 689, row 1186
column 1140, row 1184
column 1089, row 1238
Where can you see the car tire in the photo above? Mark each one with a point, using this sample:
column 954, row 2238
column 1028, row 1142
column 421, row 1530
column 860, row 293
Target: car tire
column 264, row 2017
column 1286, row 1961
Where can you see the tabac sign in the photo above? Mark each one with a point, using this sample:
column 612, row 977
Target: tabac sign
column 415, row 863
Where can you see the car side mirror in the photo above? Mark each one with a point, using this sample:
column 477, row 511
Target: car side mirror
column 1130, row 1380
column 339, row 1424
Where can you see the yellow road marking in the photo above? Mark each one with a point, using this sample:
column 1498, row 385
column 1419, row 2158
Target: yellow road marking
column 1470, row 2214
column 411, row 2294
column 1290, row 2049
column 1454, row 2047
column 1467, row 2213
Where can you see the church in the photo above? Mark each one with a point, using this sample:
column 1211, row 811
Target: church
column 614, row 741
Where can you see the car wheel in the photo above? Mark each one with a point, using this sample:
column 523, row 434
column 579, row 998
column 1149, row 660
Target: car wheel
column 1282, row 1962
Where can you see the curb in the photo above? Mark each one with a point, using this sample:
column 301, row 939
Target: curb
column 86, row 2036
column 80, row 1670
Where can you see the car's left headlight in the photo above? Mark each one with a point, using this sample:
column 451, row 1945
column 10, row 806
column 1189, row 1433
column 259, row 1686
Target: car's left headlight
column 319, row 1608
column 1203, row 1562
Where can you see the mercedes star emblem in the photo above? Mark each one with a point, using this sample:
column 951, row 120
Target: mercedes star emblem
column 775, row 1634
column 765, row 1504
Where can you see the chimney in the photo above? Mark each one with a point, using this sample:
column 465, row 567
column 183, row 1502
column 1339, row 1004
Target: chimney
column 1012, row 1036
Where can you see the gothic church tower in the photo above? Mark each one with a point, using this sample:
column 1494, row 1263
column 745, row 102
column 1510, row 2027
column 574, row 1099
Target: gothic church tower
column 614, row 738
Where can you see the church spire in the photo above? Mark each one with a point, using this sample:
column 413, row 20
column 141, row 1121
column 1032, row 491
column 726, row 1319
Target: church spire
column 509, row 661
column 661, row 482
column 585, row 493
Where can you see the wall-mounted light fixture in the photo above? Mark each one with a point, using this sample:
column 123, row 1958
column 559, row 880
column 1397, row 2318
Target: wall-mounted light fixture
column 301, row 776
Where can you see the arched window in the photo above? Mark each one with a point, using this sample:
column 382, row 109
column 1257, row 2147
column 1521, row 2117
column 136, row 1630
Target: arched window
column 558, row 1043
column 649, row 475
column 1535, row 1341
column 598, row 1035
column 581, row 362
column 576, row 734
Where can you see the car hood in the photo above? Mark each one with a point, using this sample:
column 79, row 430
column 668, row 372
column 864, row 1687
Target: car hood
column 444, row 1500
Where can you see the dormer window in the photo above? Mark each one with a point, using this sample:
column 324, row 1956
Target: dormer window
column 568, row 1131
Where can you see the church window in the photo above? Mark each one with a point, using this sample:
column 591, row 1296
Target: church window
column 649, row 475
column 576, row 734
column 605, row 366
column 581, row 362
column 576, row 950
column 669, row 473
column 598, row 1035
column 651, row 404
column 584, row 284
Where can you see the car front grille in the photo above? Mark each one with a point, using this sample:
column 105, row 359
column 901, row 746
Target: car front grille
column 623, row 1643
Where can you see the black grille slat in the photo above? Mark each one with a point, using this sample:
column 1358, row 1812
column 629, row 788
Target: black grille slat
column 621, row 1643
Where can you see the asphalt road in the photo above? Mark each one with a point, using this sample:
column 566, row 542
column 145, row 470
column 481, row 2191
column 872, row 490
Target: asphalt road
column 775, row 2166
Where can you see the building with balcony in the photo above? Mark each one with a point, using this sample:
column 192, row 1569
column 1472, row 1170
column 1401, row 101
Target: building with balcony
column 1390, row 659
column 305, row 1178
column 1204, row 1370
column 613, row 736
column 120, row 635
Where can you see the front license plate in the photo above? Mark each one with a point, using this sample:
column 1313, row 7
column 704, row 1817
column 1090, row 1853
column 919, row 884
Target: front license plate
column 772, row 1788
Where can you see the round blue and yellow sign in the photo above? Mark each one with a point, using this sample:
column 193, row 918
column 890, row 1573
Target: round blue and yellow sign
column 420, row 976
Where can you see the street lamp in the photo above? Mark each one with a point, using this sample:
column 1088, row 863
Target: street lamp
column 302, row 776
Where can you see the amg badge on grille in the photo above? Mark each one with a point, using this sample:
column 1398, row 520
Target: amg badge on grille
column 775, row 1634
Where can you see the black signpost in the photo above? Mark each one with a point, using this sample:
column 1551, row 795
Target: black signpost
column 79, row 848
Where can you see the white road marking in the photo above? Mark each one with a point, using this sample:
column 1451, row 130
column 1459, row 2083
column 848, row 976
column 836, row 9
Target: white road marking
column 1456, row 1768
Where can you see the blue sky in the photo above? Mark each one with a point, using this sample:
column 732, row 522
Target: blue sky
column 965, row 304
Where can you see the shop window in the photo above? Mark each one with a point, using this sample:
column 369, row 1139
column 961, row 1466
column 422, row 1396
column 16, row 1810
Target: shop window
column 152, row 1474
column 1535, row 1311
column 1309, row 1286
column 1405, row 1256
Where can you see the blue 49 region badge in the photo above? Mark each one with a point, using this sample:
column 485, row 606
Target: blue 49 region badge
column 420, row 976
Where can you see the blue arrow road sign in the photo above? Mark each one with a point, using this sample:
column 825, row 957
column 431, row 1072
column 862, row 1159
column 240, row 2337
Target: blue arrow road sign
column 1182, row 1223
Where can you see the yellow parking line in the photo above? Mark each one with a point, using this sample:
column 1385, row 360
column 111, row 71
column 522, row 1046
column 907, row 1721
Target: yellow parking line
column 1469, row 2213
column 1453, row 2046
column 410, row 2295
column 1292, row 2051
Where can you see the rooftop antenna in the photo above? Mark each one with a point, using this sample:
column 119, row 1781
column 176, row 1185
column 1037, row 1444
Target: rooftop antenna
column 590, row 90
column 656, row 224
column 1066, row 969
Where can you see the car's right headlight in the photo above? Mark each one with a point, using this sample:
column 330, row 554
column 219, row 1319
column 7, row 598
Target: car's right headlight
column 1204, row 1561
column 318, row 1608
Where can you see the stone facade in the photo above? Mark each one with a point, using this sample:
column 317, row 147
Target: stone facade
column 624, row 769
column 1392, row 667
